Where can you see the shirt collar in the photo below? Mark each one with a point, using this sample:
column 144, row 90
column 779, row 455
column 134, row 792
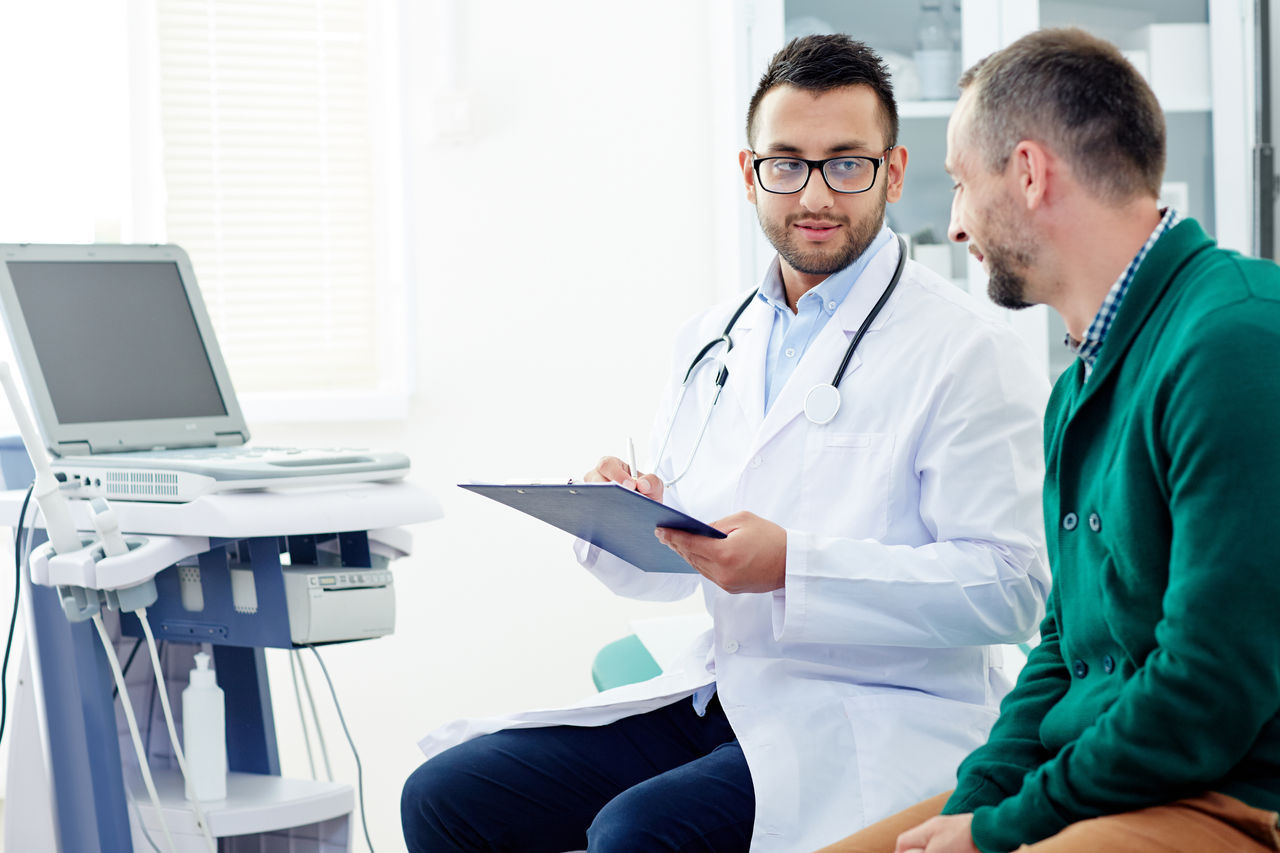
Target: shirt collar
column 1088, row 348
column 832, row 290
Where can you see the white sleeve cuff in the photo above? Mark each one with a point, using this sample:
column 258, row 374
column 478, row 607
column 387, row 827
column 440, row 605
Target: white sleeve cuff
column 789, row 602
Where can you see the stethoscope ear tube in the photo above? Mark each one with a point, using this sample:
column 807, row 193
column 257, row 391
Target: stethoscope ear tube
column 875, row 311
column 823, row 401
column 704, row 352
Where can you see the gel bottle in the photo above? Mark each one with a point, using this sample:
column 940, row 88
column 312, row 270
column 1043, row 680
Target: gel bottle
column 204, row 733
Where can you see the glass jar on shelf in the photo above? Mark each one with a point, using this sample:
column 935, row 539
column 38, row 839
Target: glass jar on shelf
column 936, row 56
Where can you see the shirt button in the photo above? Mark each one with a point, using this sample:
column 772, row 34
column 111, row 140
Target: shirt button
column 1108, row 664
column 831, row 306
column 1069, row 521
column 755, row 462
column 731, row 646
column 791, row 353
column 1080, row 668
column 1095, row 522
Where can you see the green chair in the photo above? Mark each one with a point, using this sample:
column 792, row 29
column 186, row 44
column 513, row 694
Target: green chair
column 624, row 661
column 627, row 661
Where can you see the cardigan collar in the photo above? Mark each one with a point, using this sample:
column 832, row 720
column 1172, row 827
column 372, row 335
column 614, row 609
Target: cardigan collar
column 1158, row 270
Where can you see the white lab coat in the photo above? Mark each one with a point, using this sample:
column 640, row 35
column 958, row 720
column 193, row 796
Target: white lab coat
column 914, row 548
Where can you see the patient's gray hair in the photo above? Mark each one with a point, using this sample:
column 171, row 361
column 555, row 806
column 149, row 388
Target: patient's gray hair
column 1078, row 95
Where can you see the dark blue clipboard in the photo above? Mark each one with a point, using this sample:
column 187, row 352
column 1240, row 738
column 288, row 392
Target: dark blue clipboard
column 620, row 521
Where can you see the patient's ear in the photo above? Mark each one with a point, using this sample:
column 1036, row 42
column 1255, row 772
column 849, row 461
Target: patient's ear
column 1034, row 170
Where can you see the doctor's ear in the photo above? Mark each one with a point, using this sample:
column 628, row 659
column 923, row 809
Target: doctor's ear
column 745, row 158
column 895, row 167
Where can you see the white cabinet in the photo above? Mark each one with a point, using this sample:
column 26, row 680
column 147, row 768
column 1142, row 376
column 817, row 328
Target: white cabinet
column 1210, row 121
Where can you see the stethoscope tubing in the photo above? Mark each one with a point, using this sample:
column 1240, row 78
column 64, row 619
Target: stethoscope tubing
column 722, row 376
column 871, row 316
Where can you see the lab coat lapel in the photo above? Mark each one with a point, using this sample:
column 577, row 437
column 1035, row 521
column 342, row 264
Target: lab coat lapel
column 822, row 359
column 745, row 387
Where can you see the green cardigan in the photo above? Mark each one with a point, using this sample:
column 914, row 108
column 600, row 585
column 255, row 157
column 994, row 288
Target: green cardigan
column 1158, row 672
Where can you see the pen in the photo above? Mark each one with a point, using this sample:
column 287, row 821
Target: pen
column 635, row 469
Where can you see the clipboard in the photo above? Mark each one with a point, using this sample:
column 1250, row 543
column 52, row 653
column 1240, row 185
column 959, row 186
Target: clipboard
column 617, row 520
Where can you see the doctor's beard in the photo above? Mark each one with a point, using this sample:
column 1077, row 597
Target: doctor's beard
column 820, row 261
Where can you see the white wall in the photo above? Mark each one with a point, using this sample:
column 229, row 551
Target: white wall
column 551, row 266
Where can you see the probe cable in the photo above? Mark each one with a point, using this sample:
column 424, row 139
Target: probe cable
column 128, row 662
column 143, row 766
column 294, row 663
column 364, row 822
column 306, row 684
column 141, row 825
column 202, row 819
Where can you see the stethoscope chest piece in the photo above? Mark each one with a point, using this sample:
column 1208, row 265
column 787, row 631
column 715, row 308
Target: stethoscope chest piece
column 822, row 403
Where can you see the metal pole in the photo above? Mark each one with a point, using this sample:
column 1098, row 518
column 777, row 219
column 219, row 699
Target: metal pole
column 1264, row 165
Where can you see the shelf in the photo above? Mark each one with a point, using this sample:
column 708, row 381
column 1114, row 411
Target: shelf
column 943, row 109
column 925, row 109
column 255, row 803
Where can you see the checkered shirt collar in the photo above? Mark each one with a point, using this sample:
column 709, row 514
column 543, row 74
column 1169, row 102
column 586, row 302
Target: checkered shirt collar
column 1088, row 348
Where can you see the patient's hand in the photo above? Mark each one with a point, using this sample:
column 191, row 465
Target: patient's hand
column 943, row 834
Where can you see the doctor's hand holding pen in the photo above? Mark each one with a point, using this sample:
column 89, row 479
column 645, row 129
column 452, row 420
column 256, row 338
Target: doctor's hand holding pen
column 611, row 469
column 751, row 558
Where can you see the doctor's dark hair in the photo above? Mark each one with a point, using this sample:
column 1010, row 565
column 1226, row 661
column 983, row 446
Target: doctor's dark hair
column 1077, row 94
column 821, row 63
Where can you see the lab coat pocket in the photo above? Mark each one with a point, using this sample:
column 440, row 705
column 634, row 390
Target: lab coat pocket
column 846, row 483
column 909, row 744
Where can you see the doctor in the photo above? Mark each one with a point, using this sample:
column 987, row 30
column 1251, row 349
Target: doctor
column 883, row 534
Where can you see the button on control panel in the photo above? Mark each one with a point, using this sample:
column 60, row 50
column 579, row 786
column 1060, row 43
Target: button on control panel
column 350, row 579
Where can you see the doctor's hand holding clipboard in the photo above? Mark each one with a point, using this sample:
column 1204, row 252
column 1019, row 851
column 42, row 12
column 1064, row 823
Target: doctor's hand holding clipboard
column 751, row 558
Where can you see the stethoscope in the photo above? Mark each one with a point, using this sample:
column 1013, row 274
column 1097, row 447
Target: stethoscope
column 821, row 403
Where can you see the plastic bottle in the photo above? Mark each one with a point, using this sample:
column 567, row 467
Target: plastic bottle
column 935, row 53
column 204, row 733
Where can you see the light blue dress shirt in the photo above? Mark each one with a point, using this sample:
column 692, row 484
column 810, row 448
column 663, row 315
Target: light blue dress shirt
column 792, row 334
column 790, row 337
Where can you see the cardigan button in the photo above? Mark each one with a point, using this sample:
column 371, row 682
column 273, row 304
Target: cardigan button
column 1095, row 522
column 1080, row 668
column 1069, row 521
column 1108, row 664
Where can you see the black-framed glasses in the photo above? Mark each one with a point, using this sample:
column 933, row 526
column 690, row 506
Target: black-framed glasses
column 848, row 174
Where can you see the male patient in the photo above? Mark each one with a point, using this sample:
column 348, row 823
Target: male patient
column 872, row 561
column 1148, row 719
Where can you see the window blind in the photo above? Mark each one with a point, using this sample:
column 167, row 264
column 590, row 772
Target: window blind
column 270, row 184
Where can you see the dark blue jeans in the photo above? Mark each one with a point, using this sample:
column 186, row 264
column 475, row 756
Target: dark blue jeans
column 665, row 780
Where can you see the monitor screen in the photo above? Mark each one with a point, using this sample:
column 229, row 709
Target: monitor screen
column 116, row 340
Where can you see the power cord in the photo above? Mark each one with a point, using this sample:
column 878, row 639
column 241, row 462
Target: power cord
column 13, row 617
column 364, row 822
